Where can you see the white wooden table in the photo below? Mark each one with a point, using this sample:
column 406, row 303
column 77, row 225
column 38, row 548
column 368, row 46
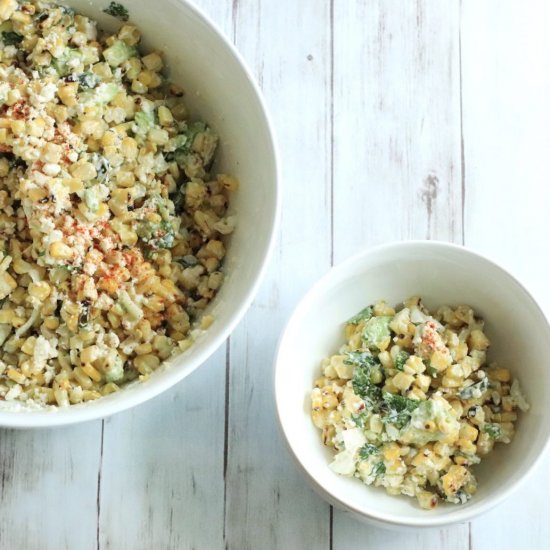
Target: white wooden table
column 395, row 120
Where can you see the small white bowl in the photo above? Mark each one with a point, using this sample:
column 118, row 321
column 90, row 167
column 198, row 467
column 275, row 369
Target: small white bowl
column 443, row 274
column 220, row 90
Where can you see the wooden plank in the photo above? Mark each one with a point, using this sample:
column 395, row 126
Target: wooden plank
column 268, row 504
column 506, row 78
column 397, row 159
column 161, row 482
column 397, row 166
column 48, row 496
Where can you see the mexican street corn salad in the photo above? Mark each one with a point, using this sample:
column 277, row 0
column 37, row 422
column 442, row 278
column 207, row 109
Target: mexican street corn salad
column 111, row 226
column 411, row 404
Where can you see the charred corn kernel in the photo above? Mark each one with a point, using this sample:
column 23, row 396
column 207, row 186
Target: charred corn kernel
column 453, row 480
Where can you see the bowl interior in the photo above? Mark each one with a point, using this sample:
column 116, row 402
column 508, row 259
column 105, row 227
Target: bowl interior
column 442, row 275
column 219, row 89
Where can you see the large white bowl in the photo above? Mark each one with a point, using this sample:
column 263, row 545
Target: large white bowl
column 443, row 274
column 220, row 89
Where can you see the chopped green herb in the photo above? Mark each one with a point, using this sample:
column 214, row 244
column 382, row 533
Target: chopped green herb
column 184, row 142
column 367, row 369
column 88, row 81
column 475, row 391
column 363, row 315
column 367, row 450
column 11, row 38
column 378, row 469
column 102, row 167
column 117, row 10
column 157, row 235
column 401, row 359
column 359, row 420
column 399, row 409
column 493, row 430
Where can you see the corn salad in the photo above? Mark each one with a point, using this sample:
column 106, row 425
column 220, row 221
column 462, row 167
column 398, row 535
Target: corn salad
column 111, row 226
column 410, row 403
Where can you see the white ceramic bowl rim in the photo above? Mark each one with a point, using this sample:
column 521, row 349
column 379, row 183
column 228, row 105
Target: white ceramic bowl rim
column 105, row 407
column 458, row 515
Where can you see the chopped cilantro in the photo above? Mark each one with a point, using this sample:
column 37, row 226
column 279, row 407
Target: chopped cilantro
column 401, row 359
column 11, row 38
column 117, row 10
column 366, row 365
column 399, row 409
column 378, row 469
column 88, row 81
column 359, row 420
column 102, row 167
column 493, row 430
column 367, row 450
column 475, row 391
column 431, row 371
column 157, row 235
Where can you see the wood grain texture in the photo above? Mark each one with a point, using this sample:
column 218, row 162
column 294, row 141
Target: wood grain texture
column 287, row 45
column 397, row 161
column 506, row 80
column 426, row 120
column 162, row 473
column 397, row 158
column 48, row 492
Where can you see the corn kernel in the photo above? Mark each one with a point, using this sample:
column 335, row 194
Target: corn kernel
column 60, row 251
column 40, row 290
column 153, row 61
column 165, row 116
